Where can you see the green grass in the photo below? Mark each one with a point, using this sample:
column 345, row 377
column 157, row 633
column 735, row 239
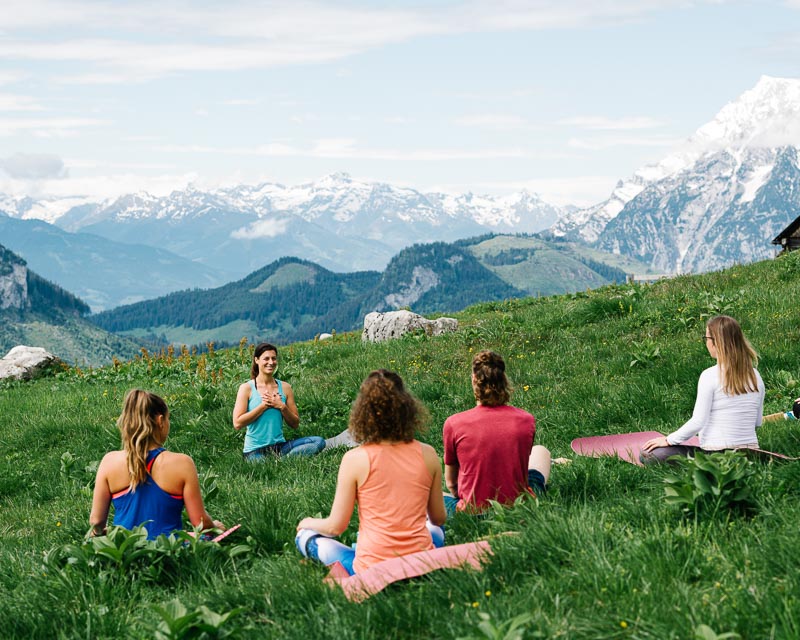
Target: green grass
column 603, row 556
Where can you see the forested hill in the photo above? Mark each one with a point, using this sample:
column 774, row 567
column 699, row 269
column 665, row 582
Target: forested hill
column 293, row 299
column 24, row 290
column 278, row 300
column 437, row 277
column 36, row 312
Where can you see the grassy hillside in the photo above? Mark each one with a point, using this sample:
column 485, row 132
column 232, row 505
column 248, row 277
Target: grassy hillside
column 541, row 267
column 602, row 556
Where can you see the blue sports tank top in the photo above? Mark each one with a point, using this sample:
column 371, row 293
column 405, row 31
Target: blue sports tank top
column 149, row 505
column 268, row 428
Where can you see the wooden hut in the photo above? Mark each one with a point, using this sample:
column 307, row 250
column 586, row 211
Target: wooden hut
column 789, row 238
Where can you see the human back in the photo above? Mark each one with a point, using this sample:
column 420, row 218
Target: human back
column 392, row 502
column 147, row 484
column 394, row 479
column 729, row 403
column 491, row 446
column 488, row 450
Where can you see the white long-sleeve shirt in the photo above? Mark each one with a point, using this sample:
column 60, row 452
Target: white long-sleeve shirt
column 722, row 421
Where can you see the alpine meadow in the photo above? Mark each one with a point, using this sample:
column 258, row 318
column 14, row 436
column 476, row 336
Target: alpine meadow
column 612, row 551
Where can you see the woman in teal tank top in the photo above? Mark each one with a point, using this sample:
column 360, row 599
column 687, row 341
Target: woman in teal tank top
column 263, row 404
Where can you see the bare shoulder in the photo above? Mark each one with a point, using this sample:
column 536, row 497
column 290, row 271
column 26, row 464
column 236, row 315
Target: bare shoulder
column 178, row 460
column 355, row 455
column 428, row 452
column 286, row 386
column 245, row 386
column 113, row 458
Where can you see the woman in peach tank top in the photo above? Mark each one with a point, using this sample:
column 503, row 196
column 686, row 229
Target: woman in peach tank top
column 395, row 480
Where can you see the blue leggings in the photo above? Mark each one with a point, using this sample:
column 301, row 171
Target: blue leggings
column 314, row 545
column 306, row 446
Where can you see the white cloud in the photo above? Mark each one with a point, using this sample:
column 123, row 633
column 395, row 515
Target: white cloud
column 240, row 102
column 11, row 102
column 267, row 228
column 603, row 123
column 145, row 138
column 183, row 36
column 47, row 127
column 10, row 77
column 27, row 166
column 347, row 148
column 399, row 120
column 96, row 188
column 493, row 121
column 606, row 142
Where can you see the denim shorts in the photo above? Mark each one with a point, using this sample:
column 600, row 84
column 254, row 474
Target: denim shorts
column 535, row 482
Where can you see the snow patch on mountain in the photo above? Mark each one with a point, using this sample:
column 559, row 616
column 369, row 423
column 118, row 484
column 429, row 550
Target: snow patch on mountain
column 766, row 116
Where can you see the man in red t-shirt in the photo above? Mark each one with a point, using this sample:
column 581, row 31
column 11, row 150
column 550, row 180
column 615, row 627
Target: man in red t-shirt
column 488, row 451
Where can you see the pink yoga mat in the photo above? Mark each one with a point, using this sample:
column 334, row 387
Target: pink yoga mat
column 627, row 446
column 226, row 533
column 367, row 583
column 218, row 537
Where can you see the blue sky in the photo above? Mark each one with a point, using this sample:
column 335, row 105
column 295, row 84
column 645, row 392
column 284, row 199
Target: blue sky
column 560, row 97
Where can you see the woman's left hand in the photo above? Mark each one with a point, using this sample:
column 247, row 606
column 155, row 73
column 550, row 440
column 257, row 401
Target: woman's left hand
column 655, row 443
column 304, row 524
column 273, row 400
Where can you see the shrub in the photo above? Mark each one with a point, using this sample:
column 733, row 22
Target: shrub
column 711, row 483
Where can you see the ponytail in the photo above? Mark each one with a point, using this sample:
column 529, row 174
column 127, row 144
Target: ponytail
column 490, row 384
column 139, row 428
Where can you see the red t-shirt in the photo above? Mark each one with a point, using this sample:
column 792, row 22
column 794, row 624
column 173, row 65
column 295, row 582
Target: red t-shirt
column 491, row 446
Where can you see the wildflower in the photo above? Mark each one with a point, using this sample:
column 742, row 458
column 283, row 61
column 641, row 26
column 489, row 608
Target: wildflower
column 488, row 594
column 475, row 605
column 58, row 524
column 623, row 624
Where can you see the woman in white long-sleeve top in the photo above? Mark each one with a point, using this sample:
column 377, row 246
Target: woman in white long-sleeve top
column 730, row 399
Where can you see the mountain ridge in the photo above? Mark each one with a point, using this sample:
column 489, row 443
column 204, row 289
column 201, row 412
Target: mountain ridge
column 713, row 202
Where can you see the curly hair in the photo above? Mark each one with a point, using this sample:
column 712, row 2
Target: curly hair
column 384, row 410
column 490, row 384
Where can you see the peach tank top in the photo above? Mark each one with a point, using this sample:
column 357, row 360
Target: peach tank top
column 392, row 504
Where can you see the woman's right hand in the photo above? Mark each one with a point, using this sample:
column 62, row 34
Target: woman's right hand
column 655, row 443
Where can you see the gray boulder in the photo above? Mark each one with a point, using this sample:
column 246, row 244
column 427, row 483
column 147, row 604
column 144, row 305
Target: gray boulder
column 393, row 324
column 24, row 363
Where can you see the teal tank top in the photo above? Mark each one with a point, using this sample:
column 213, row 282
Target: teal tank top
column 268, row 428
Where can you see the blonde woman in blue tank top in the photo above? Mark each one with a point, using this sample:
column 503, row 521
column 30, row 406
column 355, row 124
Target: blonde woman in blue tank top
column 147, row 485
column 263, row 405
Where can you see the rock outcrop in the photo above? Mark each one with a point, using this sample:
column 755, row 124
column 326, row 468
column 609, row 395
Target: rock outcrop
column 393, row 324
column 13, row 286
column 24, row 363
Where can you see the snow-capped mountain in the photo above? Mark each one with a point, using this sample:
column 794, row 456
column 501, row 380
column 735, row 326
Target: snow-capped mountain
column 717, row 200
column 341, row 223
